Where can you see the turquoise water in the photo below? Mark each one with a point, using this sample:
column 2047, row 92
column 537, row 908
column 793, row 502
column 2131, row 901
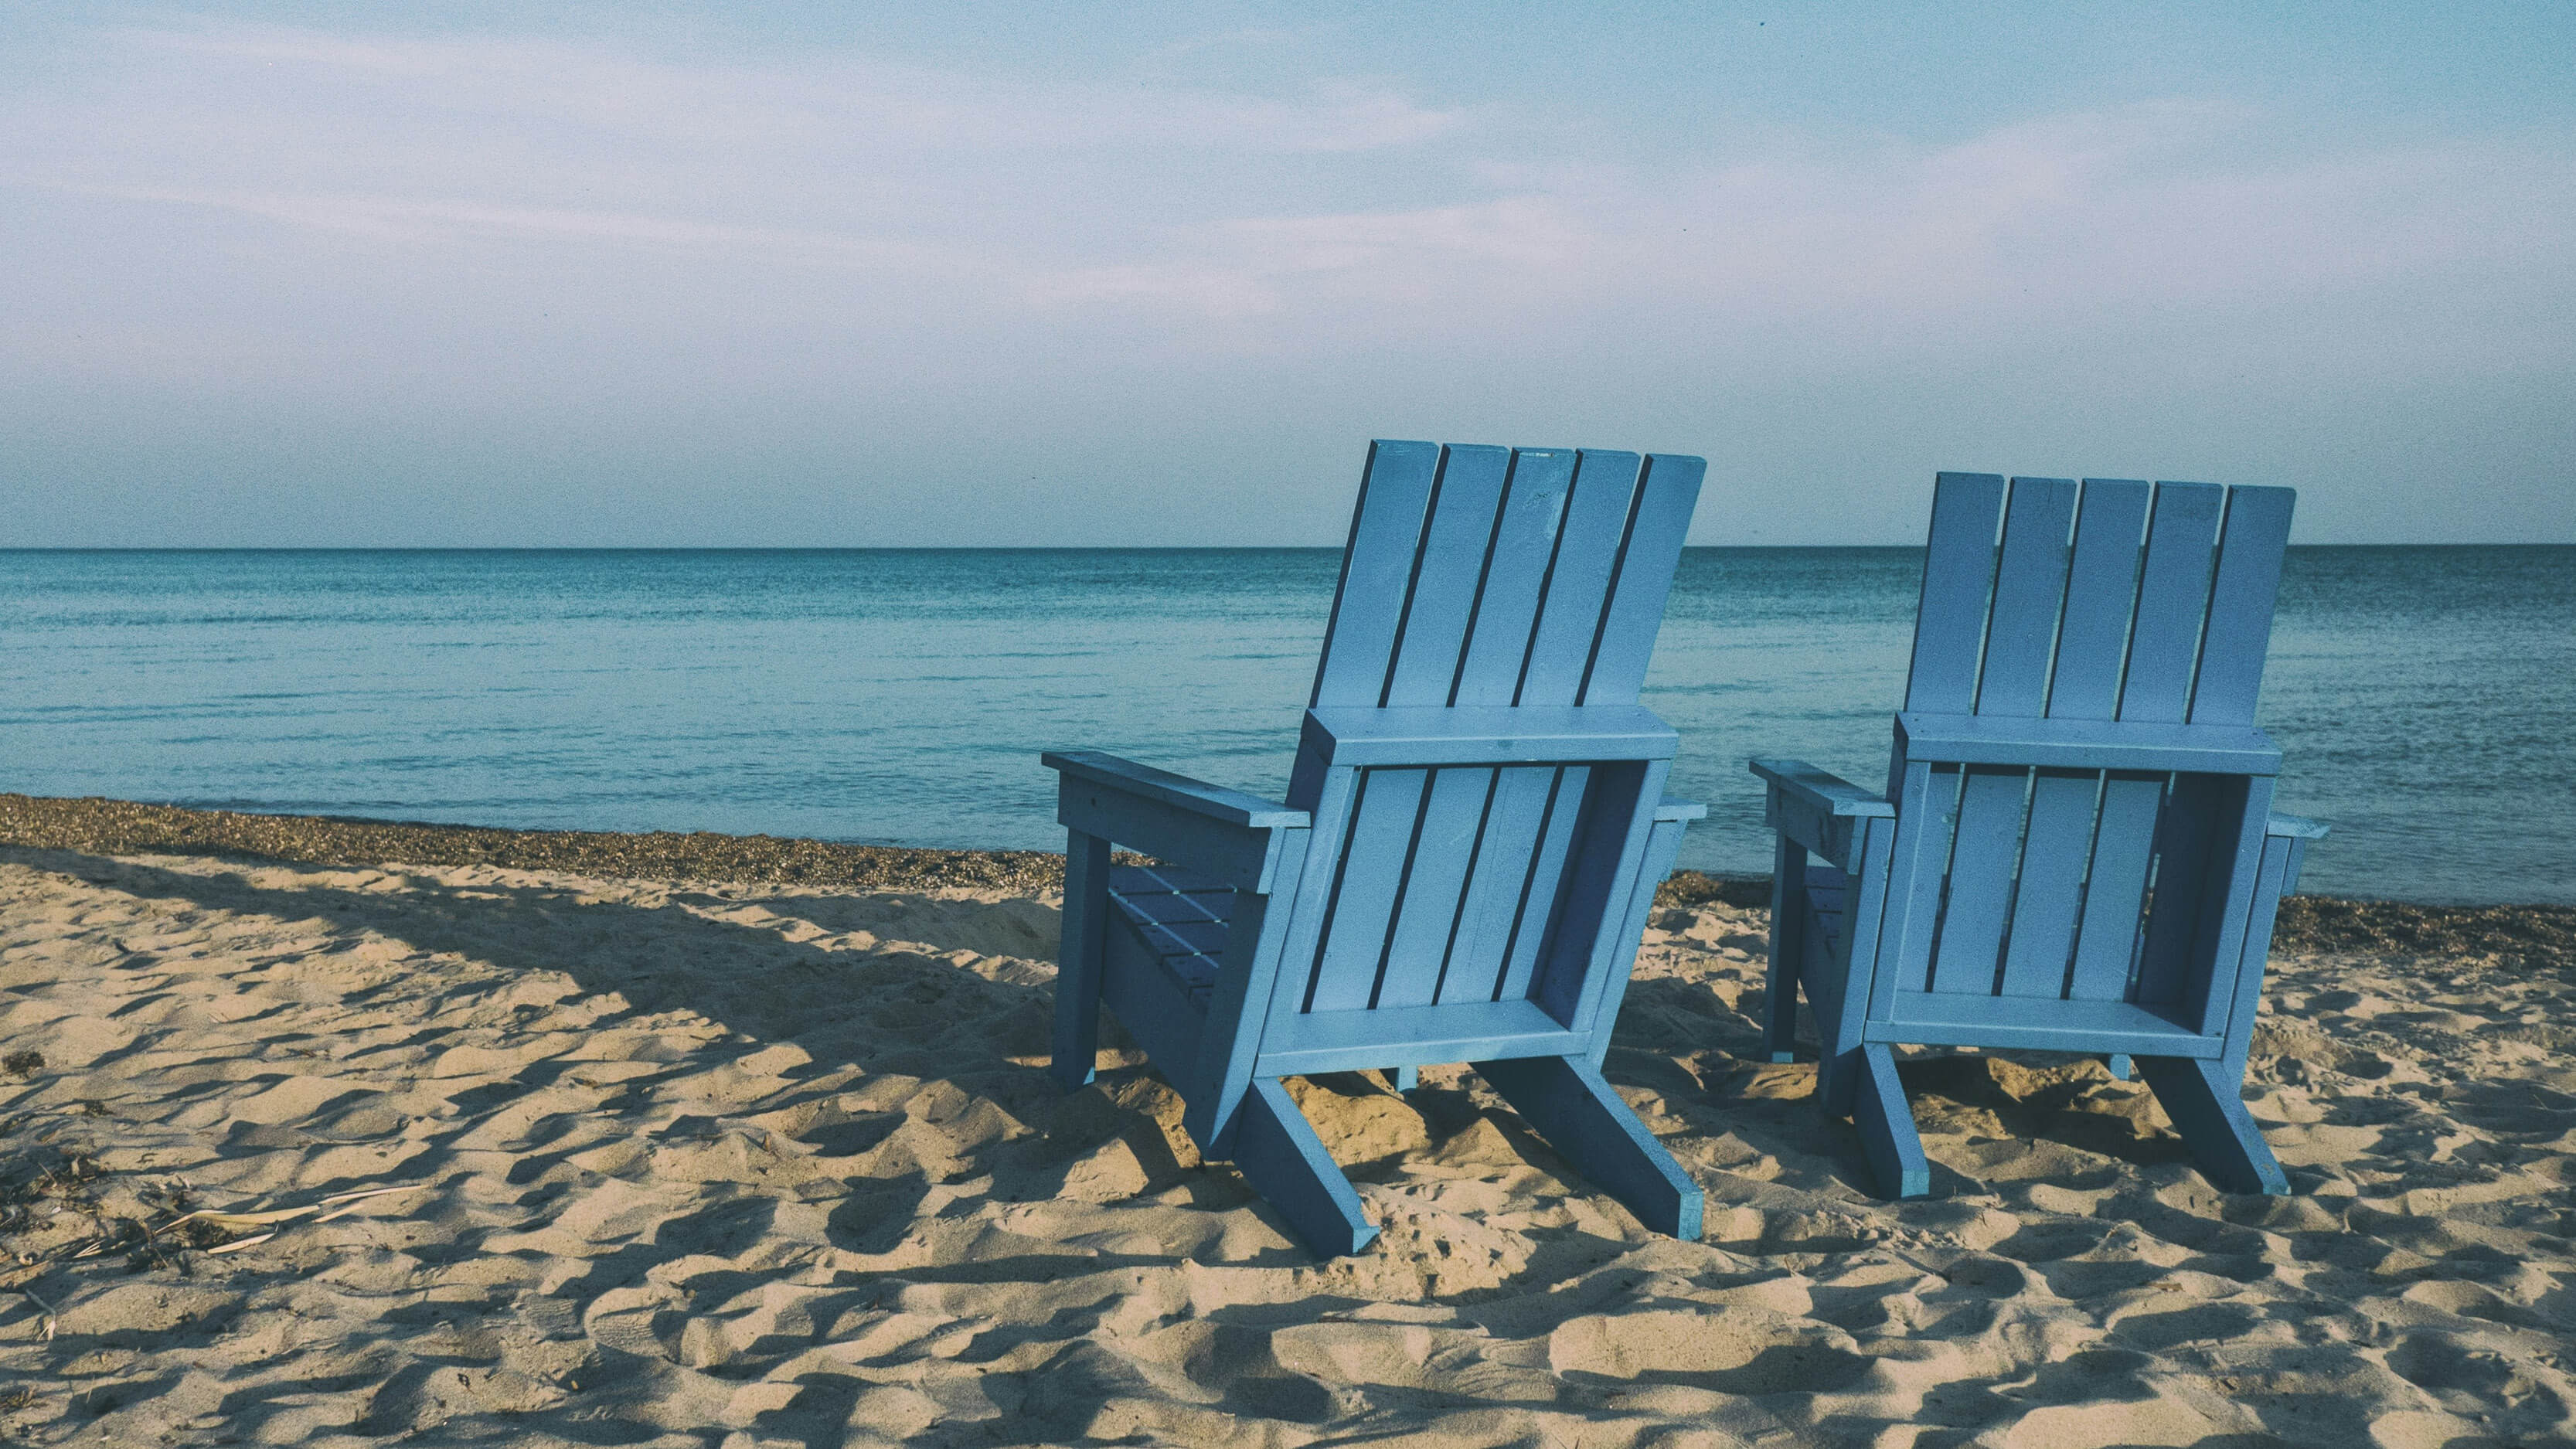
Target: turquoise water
column 2426, row 696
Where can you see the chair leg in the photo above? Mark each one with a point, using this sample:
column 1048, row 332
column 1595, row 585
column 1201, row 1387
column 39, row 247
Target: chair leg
column 1078, row 960
column 1780, row 1024
column 1583, row 1118
column 1886, row 1123
column 2122, row 1069
column 1276, row 1150
column 1788, row 949
column 2209, row 1112
column 1404, row 1079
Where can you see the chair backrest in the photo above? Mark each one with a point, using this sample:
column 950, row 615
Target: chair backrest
column 2135, row 612
column 1483, row 577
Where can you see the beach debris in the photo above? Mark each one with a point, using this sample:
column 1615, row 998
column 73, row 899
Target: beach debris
column 51, row 1314
column 23, row 1063
column 60, row 1178
column 111, row 827
column 213, row 1231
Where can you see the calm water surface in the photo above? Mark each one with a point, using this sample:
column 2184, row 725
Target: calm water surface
column 2426, row 696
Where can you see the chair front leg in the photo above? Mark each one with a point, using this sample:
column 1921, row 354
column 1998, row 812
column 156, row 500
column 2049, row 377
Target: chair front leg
column 1079, row 957
column 1788, row 947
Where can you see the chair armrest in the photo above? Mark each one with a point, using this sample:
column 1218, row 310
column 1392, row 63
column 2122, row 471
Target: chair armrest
column 1816, row 810
column 1236, row 837
column 1819, row 790
column 1213, row 801
column 1669, row 810
column 2298, row 826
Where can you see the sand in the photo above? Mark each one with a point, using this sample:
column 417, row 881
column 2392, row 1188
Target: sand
column 775, row 1164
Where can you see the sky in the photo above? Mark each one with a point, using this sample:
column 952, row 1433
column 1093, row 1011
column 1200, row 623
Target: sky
column 961, row 274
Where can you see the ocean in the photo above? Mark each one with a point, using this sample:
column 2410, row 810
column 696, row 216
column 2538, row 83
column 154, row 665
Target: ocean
column 2425, row 697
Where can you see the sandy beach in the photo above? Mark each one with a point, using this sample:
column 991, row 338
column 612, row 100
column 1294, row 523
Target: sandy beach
column 692, row 1140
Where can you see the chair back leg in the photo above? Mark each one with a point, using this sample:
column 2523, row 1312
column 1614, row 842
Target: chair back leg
column 1276, row 1150
column 2208, row 1110
column 1886, row 1122
column 1583, row 1118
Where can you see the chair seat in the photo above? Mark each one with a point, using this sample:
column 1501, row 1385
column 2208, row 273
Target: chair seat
column 1179, row 917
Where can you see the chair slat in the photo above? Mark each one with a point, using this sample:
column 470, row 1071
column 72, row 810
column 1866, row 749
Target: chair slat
column 1501, row 872
column 1583, row 949
column 2240, row 605
column 1374, row 858
column 2241, row 809
column 2030, row 585
column 2115, row 888
column 1442, row 593
column 1578, row 578
column 1927, row 816
column 1166, row 880
column 1981, row 876
column 2186, row 842
column 1377, row 568
column 1177, row 913
column 1180, row 938
column 1506, row 606
column 1667, row 492
column 1958, row 578
column 1436, row 886
column 2053, row 853
column 2173, row 599
column 1535, row 911
column 2101, row 596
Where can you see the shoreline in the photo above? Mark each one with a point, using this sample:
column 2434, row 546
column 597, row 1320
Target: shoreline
column 2540, row 935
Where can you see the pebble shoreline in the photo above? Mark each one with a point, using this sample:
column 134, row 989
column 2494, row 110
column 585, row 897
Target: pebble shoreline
column 2541, row 937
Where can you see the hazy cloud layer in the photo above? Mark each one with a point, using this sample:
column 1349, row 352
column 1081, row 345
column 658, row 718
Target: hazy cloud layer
column 276, row 285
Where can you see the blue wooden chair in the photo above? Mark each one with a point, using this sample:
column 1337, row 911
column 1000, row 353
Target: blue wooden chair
column 1473, row 833
column 2076, row 851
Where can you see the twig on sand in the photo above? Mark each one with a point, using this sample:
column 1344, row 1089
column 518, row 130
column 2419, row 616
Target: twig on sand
column 51, row 1314
column 338, row 1204
column 237, row 1244
column 212, row 1231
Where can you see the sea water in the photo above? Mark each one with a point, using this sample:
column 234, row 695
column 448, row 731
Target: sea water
column 2425, row 697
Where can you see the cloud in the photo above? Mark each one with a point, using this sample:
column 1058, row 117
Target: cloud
column 1154, row 196
column 1253, row 267
column 429, row 221
column 813, row 102
column 277, row 224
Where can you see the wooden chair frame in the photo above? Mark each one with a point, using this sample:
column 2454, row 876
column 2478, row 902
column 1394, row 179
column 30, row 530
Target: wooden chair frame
column 1474, row 831
column 2076, row 851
